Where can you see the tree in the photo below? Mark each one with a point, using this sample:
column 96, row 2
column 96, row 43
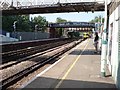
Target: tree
column 60, row 20
column 60, row 30
column 41, row 22
column 23, row 23
column 97, row 19
column 7, row 23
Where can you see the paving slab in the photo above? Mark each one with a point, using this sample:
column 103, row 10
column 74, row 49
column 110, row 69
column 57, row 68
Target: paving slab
column 80, row 68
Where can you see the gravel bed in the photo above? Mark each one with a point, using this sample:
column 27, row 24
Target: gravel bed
column 18, row 85
column 26, row 79
column 15, row 69
column 25, row 64
column 2, row 65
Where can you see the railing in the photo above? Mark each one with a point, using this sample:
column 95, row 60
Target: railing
column 72, row 24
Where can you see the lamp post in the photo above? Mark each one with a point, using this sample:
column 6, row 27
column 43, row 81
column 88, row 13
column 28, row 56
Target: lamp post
column 36, row 28
column 104, row 45
column 14, row 27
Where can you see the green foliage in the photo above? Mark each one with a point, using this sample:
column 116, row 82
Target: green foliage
column 23, row 23
column 41, row 22
column 60, row 20
column 60, row 30
column 73, row 34
column 7, row 23
column 97, row 19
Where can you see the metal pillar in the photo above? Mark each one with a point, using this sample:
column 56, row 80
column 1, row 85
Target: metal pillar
column 100, row 34
column 104, row 45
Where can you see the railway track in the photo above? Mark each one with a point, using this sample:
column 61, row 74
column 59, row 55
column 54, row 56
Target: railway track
column 13, row 79
column 25, row 44
column 55, row 52
column 21, row 53
column 26, row 58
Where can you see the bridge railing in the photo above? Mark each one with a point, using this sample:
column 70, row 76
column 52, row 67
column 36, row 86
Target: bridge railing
column 72, row 24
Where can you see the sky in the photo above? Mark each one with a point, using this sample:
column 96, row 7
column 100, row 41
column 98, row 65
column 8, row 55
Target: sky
column 77, row 17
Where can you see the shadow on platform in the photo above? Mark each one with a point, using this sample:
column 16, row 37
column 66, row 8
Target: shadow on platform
column 86, row 52
column 42, row 83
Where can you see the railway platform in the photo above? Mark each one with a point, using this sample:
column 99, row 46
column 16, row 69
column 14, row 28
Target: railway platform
column 79, row 68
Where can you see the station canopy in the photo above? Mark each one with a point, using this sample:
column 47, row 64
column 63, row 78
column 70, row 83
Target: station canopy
column 13, row 7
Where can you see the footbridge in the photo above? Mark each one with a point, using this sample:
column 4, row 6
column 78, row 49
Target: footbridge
column 14, row 7
column 72, row 25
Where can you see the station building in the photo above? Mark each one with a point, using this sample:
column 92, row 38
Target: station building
column 113, row 36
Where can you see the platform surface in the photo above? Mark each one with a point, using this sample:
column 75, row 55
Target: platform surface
column 79, row 68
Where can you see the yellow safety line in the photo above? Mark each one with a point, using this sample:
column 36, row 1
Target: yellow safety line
column 63, row 78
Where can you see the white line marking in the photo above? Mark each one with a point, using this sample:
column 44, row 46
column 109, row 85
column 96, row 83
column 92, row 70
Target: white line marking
column 24, row 85
column 68, row 71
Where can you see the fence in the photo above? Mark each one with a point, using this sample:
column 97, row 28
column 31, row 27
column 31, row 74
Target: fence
column 25, row 36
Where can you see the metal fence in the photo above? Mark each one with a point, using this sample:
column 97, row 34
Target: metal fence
column 25, row 36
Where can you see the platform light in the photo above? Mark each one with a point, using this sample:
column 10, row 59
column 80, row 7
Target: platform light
column 92, row 10
column 117, row 19
column 14, row 25
column 14, row 28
